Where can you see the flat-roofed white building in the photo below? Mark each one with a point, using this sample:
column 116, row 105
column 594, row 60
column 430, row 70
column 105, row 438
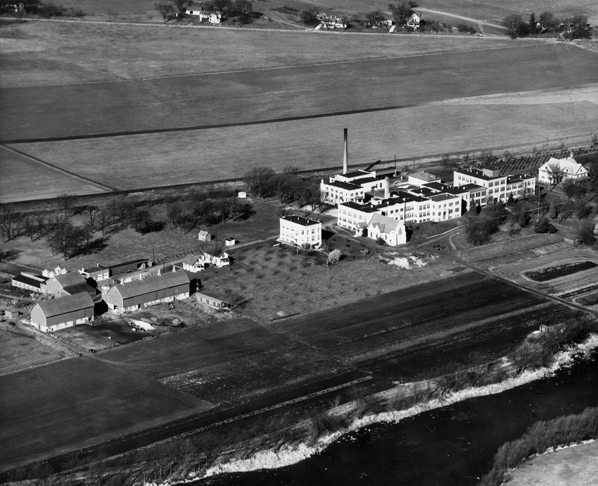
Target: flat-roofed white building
column 300, row 231
column 355, row 216
column 444, row 207
column 334, row 192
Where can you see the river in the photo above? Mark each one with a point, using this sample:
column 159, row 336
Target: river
column 454, row 445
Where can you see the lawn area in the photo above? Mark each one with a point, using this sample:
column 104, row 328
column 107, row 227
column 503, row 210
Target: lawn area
column 21, row 351
column 79, row 402
column 102, row 335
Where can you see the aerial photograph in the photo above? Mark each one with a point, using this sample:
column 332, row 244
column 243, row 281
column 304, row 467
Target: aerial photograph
column 298, row 242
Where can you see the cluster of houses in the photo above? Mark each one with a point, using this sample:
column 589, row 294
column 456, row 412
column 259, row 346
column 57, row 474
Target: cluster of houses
column 330, row 21
column 205, row 15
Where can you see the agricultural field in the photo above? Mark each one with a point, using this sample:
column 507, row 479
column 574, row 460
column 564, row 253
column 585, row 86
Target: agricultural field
column 85, row 401
column 229, row 363
column 401, row 334
column 22, row 178
column 21, row 351
column 235, row 98
column 555, row 263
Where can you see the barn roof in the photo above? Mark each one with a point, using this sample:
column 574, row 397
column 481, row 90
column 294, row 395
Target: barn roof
column 151, row 284
column 64, row 305
column 68, row 279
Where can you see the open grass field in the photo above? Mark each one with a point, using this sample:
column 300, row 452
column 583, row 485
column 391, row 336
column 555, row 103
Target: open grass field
column 575, row 466
column 100, row 336
column 22, row 178
column 80, row 402
column 400, row 334
column 228, row 363
column 21, row 351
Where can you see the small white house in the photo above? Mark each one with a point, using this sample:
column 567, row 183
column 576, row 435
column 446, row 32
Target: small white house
column 194, row 264
column 230, row 241
column 220, row 260
column 204, row 235
column 242, row 195
column 300, row 231
column 414, row 21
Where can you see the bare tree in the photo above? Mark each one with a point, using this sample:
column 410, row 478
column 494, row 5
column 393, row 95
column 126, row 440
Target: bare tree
column 8, row 222
column 515, row 26
column 166, row 10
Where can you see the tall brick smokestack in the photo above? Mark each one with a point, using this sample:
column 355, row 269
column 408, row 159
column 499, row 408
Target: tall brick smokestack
column 346, row 154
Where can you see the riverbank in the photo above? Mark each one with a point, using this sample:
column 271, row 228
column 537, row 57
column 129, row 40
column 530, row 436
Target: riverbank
column 286, row 456
column 576, row 465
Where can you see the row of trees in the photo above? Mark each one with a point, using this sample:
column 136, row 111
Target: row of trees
column 539, row 438
column 574, row 27
column 288, row 186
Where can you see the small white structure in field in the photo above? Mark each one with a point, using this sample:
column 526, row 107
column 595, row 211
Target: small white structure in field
column 203, row 235
column 230, row 241
column 242, row 195
column 146, row 326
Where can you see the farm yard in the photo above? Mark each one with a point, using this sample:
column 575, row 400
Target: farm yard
column 85, row 401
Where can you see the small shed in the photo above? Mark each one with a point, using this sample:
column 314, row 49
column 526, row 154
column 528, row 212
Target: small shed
column 242, row 195
column 212, row 301
column 203, row 235
column 13, row 313
column 230, row 241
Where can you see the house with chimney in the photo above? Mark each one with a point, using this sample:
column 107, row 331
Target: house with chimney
column 557, row 170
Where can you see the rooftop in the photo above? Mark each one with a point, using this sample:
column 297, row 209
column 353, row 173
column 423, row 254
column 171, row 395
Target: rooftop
column 366, row 208
column 68, row 279
column 442, row 197
column 484, row 174
column 344, row 185
column 151, row 284
column 300, row 220
column 63, row 305
column 28, row 281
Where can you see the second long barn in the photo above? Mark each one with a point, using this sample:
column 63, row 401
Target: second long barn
column 136, row 294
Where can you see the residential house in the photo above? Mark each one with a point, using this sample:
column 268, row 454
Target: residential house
column 392, row 231
column 62, row 312
column 557, row 170
column 148, row 291
column 414, row 21
column 300, row 231
column 219, row 260
column 194, row 263
column 211, row 16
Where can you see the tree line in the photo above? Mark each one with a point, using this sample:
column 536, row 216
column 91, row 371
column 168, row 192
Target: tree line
column 288, row 186
column 76, row 228
column 540, row 438
column 569, row 27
